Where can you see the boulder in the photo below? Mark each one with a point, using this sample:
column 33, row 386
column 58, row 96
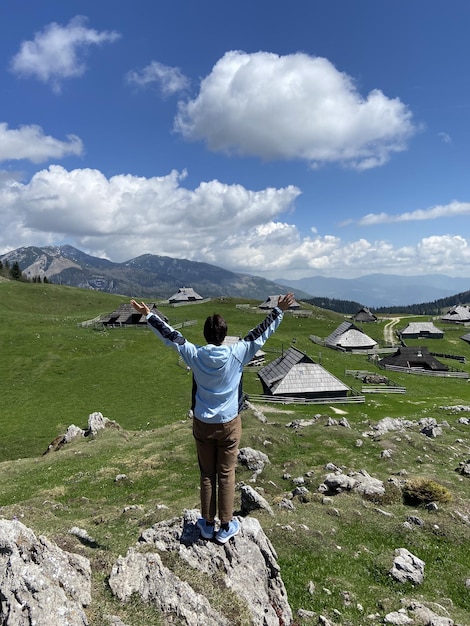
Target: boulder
column 407, row 567
column 247, row 565
column 39, row 582
column 254, row 460
column 252, row 500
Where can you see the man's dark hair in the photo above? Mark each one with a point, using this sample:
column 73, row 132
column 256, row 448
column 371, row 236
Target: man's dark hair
column 215, row 329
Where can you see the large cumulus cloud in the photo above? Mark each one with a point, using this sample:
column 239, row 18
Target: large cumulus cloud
column 293, row 107
column 228, row 225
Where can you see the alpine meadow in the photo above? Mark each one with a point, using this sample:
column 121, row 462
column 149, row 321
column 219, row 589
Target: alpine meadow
column 335, row 551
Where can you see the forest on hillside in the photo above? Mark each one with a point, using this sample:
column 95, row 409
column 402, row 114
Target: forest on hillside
column 437, row 307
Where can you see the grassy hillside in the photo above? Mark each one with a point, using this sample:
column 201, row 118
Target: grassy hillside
column 54, row 373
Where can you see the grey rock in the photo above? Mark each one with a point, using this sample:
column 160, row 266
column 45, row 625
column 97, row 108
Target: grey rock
column 361, row 482
column 464, row 468
column 367, row 485
column 388, row 424
column 336, row 482
column 252, row 500
column 407, row 567
column 145, row 575
column 432, row 431
column 97, row 422
column 287, row 504
column 249, row 556
column 72, row 432
column 253, row 459
column 302, row 493
column 425, row 615
column 398, row 618
column 39, row 582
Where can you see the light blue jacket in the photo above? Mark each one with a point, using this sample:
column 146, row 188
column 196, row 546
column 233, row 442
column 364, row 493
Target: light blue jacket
column 217, row 370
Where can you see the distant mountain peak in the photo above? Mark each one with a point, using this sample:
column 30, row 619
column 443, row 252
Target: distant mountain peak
column 147, row 275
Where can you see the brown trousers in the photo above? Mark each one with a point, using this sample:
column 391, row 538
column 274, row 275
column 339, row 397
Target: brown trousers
column 217, row 453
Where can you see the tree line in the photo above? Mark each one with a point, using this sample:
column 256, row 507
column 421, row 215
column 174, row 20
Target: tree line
column 437, row 307
column 346, row 307
column 13, row 272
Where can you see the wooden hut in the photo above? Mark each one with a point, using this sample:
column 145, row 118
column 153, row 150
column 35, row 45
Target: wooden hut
column 458, row 314
column 413, row 358
column 417, row 330
column 466, row 337
column 364, row 315
column 184, row 294
column 349, row 337
column 126, row 315
column 295, row 375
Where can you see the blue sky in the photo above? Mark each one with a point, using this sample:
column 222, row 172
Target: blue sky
column 283, row 139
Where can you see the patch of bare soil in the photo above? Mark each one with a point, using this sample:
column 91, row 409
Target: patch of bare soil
column 269, row 408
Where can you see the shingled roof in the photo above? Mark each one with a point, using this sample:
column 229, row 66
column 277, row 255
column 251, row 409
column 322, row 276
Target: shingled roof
column 457, row 314
column 466, row 337
column 126, row 315
column 414, row 330
column 185, row 294
column 272, row 301
column 349, row 337
column 413, row 358
column 294, row 374
column 364, row 315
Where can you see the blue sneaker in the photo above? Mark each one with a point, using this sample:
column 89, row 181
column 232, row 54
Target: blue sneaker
column 223, row 535
column 206, row 530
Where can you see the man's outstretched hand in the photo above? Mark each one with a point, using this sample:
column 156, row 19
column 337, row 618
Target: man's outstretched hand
column 142, row 308
column 286, row 301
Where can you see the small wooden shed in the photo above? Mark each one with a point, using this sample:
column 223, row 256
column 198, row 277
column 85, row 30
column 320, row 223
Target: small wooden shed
column 126, row 315
column 417, row 330
column 295, row 375
column 413, row 358
column 184, row 294
column 458, row 314
column 364, row 315
column 349, row 337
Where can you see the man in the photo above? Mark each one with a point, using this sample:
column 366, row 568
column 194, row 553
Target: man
column 217, row 373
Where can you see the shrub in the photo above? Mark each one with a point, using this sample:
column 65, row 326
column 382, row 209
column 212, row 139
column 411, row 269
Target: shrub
column 424, row 490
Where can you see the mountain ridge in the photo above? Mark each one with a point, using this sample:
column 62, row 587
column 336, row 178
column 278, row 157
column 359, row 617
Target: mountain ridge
column 381, row 290
column 150, row 275
column 146, row 275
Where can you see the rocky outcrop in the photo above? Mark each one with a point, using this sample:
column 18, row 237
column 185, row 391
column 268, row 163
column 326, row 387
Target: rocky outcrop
column 39, row 582
column 407, row 567
column 96, row 422
column 246, row 565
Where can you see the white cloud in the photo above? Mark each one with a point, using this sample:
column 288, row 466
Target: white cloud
column 445, row 137
column 129, row 215
column 30, row 142
column 226, row 225
column 439, row 211
column 57, row 51
column 170, row 79
column 293, row 107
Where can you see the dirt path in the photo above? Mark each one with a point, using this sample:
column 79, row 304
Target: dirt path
column 389, row 331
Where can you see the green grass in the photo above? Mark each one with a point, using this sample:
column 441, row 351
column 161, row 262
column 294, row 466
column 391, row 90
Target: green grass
column 54, row 373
